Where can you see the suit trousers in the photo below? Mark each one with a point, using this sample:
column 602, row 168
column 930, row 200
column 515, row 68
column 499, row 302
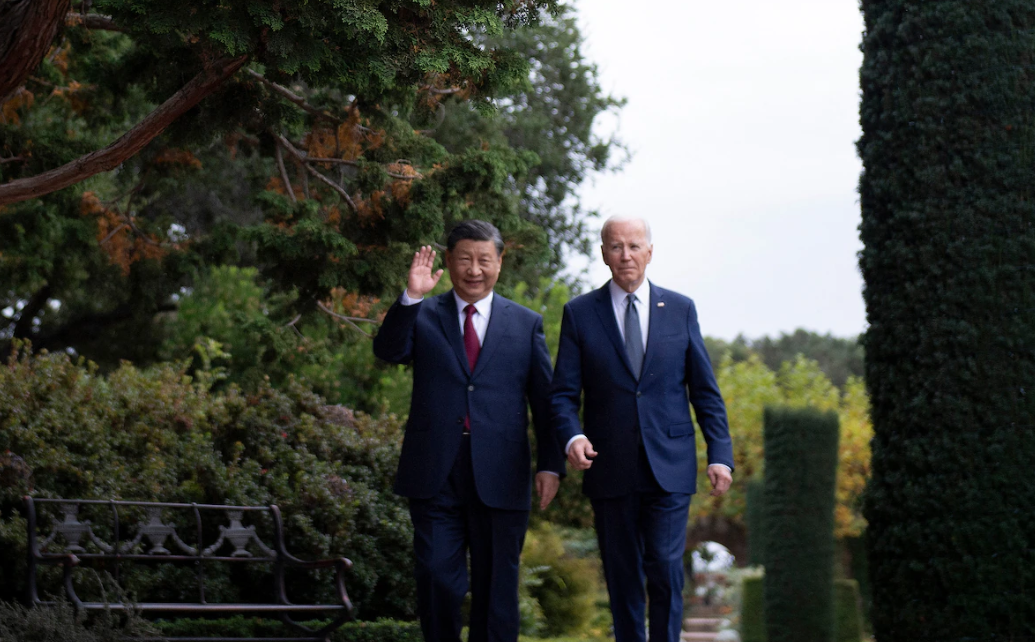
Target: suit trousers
column 642, row 538
column 448, row 527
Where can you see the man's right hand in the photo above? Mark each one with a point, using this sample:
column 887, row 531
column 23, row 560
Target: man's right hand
column 422, row 280
column 581, row 453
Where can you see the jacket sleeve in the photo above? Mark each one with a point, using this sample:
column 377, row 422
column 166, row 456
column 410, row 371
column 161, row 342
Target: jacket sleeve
column 566, row 391
column 703, row 390
column 548, row 456
column 394, row 340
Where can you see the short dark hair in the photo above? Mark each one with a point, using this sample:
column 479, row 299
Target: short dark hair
column 474, row 230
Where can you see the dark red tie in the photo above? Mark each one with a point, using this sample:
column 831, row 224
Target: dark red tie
column 472, row 347
column 471, row 344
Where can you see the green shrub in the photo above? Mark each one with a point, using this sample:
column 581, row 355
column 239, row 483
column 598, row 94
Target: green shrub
column 847, row 616
column 800, row 473
column 567, row 585
column 752, row 609
column 61, row 623
column 156, row 435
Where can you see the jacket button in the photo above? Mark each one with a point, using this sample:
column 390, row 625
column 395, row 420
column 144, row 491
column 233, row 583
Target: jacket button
column 638, row 394
column 470, row 388
column 460, row 420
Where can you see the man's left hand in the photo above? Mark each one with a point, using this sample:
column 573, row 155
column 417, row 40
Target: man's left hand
column 546, row 485
column 720, row 478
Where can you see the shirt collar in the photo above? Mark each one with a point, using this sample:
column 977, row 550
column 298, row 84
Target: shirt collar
column 484, row 306
column 618, row 295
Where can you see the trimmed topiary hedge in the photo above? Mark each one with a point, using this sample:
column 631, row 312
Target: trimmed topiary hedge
column 948, row 225
column 755, row 526
column 752, row 609
column 800, row 475
column 847, row 615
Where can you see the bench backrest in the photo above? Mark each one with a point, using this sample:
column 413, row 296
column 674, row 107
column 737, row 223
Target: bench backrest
column 69, row 531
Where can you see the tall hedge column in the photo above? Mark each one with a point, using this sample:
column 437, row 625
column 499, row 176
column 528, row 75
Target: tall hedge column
column 948, row 224
column 798, row 518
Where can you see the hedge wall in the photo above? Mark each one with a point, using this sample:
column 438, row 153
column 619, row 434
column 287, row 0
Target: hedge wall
column 755, row 526
column 948, row 225
column 800, row 475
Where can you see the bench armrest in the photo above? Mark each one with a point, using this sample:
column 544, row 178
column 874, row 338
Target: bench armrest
column 340, row 564
column 294, row 562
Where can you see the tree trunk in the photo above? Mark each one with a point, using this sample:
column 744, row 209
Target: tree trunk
column 27, row 28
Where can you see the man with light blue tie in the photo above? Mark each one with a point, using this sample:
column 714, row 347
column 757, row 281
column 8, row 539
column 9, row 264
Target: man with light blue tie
column 632, row 356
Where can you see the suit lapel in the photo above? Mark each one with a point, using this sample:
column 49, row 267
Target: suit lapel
column 606, row 311
column 495, row 333
column 449, row 317
column 657, row 309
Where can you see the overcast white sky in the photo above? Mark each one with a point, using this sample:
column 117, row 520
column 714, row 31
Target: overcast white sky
column 742, row 117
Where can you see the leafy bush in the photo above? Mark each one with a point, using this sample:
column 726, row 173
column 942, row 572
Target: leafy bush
column 564, row 586
column 61, row 623
column 156, row 435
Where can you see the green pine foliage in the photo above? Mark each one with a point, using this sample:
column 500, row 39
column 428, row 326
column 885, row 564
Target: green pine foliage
column 384, row 91
column 800, row 474
column 949, row 234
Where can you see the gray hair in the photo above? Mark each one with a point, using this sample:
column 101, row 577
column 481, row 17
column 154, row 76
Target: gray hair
column 618, row 218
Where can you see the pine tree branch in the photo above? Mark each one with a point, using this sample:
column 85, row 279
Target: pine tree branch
column 350, row 320
column 92, row 21
column 204, row 84
column 301, row 158
column 284, row 175
column 292, row 97
column 352, row 163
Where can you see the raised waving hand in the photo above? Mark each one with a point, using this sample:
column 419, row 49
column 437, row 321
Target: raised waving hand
column 422, row 279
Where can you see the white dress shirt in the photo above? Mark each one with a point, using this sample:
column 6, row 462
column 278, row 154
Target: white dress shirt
column 620, row 303
column 480, row 318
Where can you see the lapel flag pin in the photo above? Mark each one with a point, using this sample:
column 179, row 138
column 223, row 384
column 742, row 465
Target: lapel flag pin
column 661, row 304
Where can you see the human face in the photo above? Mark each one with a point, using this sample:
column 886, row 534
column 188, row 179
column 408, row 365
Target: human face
column 627, row 252
column 474, row 268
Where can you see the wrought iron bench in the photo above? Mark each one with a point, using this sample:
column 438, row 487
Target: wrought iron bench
column 71, row 542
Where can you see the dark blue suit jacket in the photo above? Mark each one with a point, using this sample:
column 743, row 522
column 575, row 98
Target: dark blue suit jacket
column 591, row 361
column 512, row 373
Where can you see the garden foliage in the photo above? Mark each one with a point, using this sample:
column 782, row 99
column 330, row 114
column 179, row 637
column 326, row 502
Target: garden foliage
column 156, row 434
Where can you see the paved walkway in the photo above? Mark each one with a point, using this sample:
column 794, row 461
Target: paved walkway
column 700, row 629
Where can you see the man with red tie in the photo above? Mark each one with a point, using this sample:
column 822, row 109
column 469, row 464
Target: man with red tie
column 479, row 362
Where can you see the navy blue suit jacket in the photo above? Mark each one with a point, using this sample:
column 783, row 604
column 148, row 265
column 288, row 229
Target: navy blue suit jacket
column 618, row 408
column 512, row 373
